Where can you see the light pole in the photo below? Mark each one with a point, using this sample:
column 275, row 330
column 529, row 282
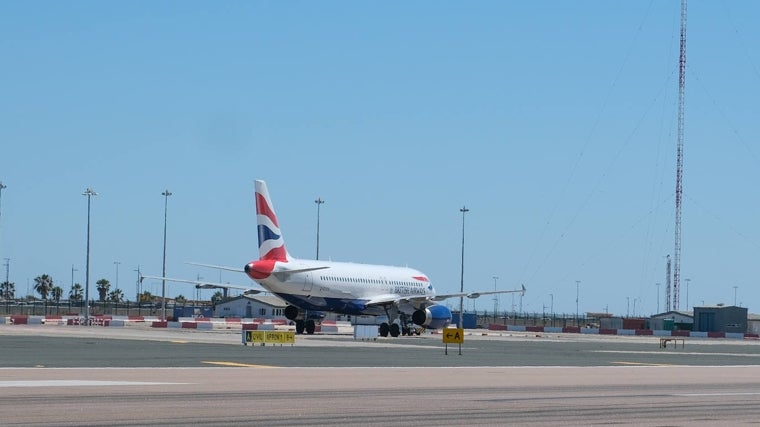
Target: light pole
column 116, row 263
column 2, row 186
column 658, row 297
column 319, row 202
column 89, row 193
column 166, row 195
column 577, row 295
column 72, row 276
column 552, row 306
column 7, row 280
column 137, row 286
column 687, row 294
column 464, row 210
column 627, row 306
column 495, row 297
column 735, row 288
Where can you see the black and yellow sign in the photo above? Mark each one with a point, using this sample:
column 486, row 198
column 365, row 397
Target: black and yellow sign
column 453, row 336
column 269, row 337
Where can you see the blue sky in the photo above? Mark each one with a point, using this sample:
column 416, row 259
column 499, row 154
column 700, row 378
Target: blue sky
column 553, row 122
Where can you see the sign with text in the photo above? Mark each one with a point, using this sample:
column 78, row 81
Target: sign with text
column 269, row 337
column 453, row 336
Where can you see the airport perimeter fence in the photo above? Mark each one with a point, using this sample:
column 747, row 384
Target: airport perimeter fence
column 484, row 319
column 97, row 308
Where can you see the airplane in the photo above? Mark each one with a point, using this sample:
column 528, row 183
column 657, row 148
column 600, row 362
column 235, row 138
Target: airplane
column 399, row 293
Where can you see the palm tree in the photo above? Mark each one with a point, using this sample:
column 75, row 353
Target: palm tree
column 43, row 284
column 116, row 296
column 103, row 286
column 217, row 297
column 56, row 292
column 8, row 290
column 76, row 292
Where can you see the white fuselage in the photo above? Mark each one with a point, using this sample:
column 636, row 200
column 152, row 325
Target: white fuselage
column 344, row 287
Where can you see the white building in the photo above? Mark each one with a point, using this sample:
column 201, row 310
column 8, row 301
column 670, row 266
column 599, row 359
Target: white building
column 252, row 306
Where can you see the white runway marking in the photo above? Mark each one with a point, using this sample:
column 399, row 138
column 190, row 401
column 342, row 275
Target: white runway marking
column 754, row 393
column 680, row 353
column 77, row 383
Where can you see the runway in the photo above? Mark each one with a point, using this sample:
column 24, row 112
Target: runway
column 71, row 376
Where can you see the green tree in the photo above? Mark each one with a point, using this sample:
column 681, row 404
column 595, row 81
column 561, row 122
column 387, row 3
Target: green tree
column 8, row 290
column 76, row 293
column 103, row 286
column 56, row 292
column 42, row 285
column 146, row 297
column 116, row 296
column 180, row 299
column 217, row 297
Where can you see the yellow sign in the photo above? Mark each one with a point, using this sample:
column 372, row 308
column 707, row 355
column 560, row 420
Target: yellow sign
column 453, row 336
column 270, row 337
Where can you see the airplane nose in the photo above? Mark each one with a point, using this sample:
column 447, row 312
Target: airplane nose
column 248, row 268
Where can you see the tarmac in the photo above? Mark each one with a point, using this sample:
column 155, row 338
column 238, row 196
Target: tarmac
column 76, row 375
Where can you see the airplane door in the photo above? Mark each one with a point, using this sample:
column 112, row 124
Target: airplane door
column 308, row 283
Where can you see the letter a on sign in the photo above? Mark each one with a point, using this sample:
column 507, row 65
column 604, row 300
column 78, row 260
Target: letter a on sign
column 453, row 336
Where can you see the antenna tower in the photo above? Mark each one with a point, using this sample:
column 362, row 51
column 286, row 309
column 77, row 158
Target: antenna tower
column 679, row 165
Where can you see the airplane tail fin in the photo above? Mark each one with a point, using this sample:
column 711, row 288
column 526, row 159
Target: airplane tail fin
column 271, row 243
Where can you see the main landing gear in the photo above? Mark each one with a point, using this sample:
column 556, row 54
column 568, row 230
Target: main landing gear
column 402, row 326
column 308, row 326
column 302, row 325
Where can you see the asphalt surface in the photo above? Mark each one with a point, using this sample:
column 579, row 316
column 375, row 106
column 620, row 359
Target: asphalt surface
column 70, row 376
column 66, row 346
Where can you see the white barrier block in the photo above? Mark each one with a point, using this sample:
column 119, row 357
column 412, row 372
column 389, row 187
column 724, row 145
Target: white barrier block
column 205, row 325
column 365, row 332
column 173, row 324
column 34, row 320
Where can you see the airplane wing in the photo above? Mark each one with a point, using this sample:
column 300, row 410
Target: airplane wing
column 218, row 267
column 384, row 299
column 477, row 294
column 200, row 284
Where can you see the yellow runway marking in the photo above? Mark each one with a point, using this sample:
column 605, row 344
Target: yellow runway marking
column 643, row 364
column 236, row 364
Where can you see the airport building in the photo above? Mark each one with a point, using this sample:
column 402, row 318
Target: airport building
column 672, row 320
column 252, row 306
column 720, row 318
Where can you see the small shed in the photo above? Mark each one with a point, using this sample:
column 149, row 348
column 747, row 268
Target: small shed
column 720, row 318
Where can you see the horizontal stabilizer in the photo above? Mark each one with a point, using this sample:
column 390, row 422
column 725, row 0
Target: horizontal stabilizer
column 205, row 285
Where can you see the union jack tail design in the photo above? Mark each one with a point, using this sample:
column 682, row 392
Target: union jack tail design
column 271, row 243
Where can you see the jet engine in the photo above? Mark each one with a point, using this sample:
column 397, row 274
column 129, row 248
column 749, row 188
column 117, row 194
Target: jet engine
column 432, row 317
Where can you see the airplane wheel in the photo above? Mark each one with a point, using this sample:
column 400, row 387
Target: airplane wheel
column 384, row 329
column 395, row 330
column 299, row 327
column 310, row 327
